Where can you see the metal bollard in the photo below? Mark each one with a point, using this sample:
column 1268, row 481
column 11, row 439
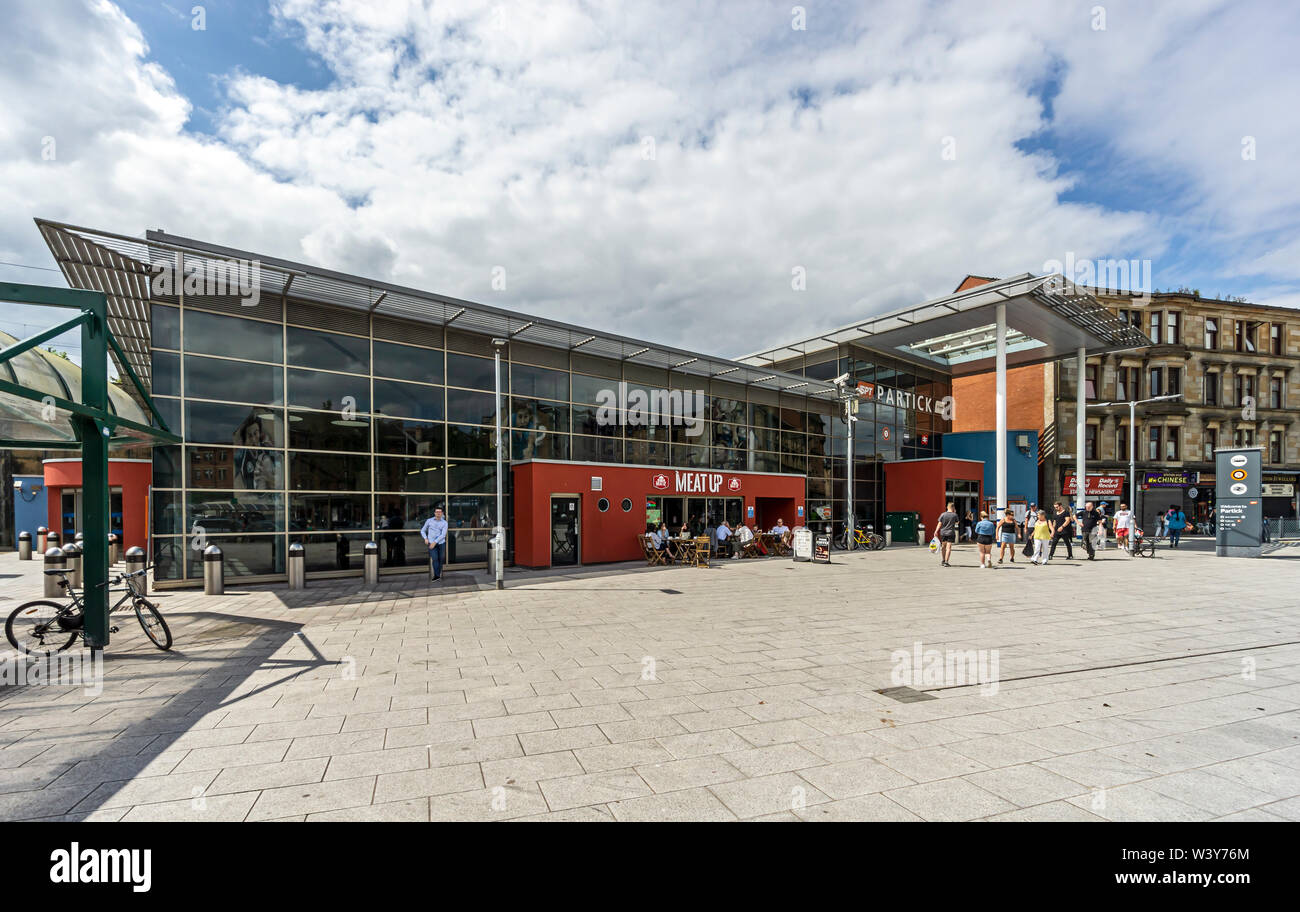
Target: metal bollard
column 135, row 561
column 24, row 546
column 114, row 549
column 370, row 555
column 214, row 571
column 80, row 537
column 52, row 539
column 297, row 566
column 920, row 533
column 889, row 535
column 73, row 555
column 54, row 560
column 42, row 539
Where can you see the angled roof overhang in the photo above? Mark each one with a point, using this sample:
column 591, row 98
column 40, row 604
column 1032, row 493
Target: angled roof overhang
column 1048, row 318
column 122, row 266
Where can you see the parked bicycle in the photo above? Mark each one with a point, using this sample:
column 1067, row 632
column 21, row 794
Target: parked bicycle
column 1140, row 545
column 862, row 538
column 44, row 627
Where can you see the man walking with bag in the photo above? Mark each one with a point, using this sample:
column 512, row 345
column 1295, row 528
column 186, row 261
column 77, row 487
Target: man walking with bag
column 434, row 533
column 1062, row 531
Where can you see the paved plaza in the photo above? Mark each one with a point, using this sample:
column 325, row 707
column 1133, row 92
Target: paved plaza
column 1125, row 689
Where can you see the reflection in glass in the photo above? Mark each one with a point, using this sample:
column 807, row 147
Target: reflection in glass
column 331, row 552
column 244, row 555
column 238, row 425
column 166, row 373
column 329, row 392
column 328, row 431
column 232, row 337
column 311, row 512
column 164, row 326
column 328, row 472
column 408, row 438
column 541, row 382
column 408, row 400
column 471, row 477
column 471, row 407
column 231, row 381
column 398, row 474
column 538, row 445
column 406, row 362
column 464, row 442
column 330, row 351
column 167, row 517
column 235, row 511
column 245, row 470
column 467, row 512
column 471, row 371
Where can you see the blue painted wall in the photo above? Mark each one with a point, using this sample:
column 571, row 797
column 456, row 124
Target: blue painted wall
column 1022, row 468
column 28, row 516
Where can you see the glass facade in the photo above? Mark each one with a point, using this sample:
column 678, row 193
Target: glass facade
column 903, row 419
column 327, row 428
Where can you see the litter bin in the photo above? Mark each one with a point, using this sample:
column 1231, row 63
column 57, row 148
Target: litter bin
column 135, row 561
column 297, row 566
column 24, row 546
column 370, row 556
column 214, row 571
column 54, row 560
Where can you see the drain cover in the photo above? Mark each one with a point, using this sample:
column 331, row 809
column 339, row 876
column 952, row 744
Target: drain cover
column 906, row 694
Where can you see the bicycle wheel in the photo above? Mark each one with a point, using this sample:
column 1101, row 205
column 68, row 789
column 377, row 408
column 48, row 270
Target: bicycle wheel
column 155, row 628
column 877, row 542
column 34, row 628
column 1147, row 549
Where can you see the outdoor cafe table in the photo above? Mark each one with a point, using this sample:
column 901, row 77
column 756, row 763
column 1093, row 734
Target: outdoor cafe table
column 681, row 550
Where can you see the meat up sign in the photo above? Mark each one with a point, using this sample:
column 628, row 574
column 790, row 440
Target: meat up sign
column 696, row 482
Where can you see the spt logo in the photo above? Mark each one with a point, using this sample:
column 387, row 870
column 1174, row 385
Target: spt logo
column 866, row 390
column 733, row 485
column 659, row 482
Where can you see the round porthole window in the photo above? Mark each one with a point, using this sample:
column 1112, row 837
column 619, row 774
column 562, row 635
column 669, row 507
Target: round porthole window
column 602, row 505
column 627, row 505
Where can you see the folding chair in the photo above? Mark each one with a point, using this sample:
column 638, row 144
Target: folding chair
column 702, row 551
column 653, row 556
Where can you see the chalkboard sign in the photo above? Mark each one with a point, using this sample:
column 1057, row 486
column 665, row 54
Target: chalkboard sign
column 822, row 549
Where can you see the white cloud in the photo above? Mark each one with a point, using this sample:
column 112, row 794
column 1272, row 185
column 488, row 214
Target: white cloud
column 451, row 142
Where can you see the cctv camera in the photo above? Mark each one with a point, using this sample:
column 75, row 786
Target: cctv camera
column 841, row 379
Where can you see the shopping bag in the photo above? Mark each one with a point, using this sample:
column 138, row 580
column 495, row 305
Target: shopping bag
column 1028, row 550
column 934, row 544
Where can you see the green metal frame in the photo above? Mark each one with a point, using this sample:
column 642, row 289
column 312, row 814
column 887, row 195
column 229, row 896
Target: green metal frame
column 92, row 424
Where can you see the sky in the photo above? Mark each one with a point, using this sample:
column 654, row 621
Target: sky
column 721, row 176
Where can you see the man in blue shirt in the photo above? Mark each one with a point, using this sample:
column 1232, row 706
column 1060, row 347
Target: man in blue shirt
column 434, row 533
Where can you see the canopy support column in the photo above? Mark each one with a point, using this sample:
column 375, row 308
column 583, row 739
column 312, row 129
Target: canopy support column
column 1000, row 495
column 94, row 469
column 1081, row 430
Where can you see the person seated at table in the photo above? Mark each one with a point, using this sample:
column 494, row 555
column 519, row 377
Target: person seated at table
column 661, row 537
column 711, row 532
column 744, row 535
column 782, row 531
column 684, row 531
column 725, row 536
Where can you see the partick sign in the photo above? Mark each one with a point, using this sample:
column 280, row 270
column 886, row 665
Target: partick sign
column 695, row 482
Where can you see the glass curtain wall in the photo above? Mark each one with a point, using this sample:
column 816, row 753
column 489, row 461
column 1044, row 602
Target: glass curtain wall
column 883, row 432
column 332, row 428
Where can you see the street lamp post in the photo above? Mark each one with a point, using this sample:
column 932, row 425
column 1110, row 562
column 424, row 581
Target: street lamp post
column 499, row 532
column 846, row 397
column 1132, row 443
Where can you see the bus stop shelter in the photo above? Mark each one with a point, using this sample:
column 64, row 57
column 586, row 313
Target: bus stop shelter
column 1022, row 320
column 36, row 419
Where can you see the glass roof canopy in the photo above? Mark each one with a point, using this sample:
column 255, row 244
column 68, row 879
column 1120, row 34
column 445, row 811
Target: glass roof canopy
column 122, row 267
column 1048, row 318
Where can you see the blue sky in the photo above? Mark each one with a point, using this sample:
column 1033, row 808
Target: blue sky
column 649, row 168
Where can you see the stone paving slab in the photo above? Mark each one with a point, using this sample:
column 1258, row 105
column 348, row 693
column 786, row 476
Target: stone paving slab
column 747, row 691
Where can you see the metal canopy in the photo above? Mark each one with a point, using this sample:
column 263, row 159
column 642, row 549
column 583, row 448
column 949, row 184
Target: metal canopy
column 120, row 266
column 1048, row 318
column 94, row 424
